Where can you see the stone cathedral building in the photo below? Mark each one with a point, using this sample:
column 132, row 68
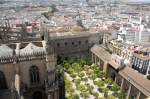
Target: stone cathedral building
column 27, row 65
column 27, row 71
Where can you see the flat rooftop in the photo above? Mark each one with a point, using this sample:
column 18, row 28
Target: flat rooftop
column 136, row 79
column 59, row 35
column 101, row 52
column 141, row 56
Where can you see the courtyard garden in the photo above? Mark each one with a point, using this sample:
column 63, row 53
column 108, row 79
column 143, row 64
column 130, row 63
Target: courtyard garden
column 84, row 80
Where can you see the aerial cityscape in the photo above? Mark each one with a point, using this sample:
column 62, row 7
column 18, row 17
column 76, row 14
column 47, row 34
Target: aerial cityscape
column 74, row 49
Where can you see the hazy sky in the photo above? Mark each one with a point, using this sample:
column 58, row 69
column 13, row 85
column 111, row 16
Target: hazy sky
column 140, row 0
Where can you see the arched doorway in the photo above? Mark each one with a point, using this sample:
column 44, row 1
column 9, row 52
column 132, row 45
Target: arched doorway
column 113, row 76
column 3, row 84
column 37, row 95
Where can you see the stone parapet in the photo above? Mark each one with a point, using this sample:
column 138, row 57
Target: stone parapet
column 24, row 57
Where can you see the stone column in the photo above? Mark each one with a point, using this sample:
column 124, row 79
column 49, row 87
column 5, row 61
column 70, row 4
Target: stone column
column 116, row 78
column 122, row 83
column 148, row 69
column 138, row 95
column 95, row 59
column 57, row 94
column 105, row 66
column 50, row 96
column 129, row 91
column 92, row 56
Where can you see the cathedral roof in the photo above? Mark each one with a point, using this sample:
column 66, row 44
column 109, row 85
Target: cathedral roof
column 25, row 48
column 5, row 51
column 31, row 48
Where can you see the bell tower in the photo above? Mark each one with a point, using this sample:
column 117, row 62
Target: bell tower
column 52, row 88
column 50, row 59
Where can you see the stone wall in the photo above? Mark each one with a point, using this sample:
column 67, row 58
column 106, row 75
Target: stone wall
column 75, row 46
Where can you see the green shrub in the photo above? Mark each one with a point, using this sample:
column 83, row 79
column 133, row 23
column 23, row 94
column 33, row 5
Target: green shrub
column 95, row 94
column 121, row 95
column 100, row 83
column 68, row 86
column 88, row 61
column 77, row 81
column 86, row 67
column 105, row 91
column 106, row 75
column 71, row 90
column 108, row 80
column 70, row 70
column 84, row 78
column 82, row 62
column 94, row 76
column 82, row 87
column 111, row 97
column 101, row 98
column 66, row 65
column 85, row 94
column 73, row 75
column 73, row 97
column 76, row 67
column 71, row 61
column 99, row 73
column 115, row 87
column 81, row 74
column 90, row 72
column 60, row 69
column 90, row 87
column 76, row 96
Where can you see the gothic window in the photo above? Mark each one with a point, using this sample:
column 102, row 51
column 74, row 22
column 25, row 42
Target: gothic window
column 34, row 75
column 66, row 43
column 58, row 44
column 100, row 41
column 79, row 42
column 72, row 43
column 3, row 84
column 86, row 41
column 42, row 37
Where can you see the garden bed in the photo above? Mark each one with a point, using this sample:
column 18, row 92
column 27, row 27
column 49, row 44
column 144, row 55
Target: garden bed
column 87, row 81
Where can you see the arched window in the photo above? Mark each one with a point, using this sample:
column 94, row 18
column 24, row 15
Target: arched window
column 66, row 43
column 3, row 84
column 34, row 75
column 58, row 44
column 86, row 41
column 72, row 43
column 79, row 42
